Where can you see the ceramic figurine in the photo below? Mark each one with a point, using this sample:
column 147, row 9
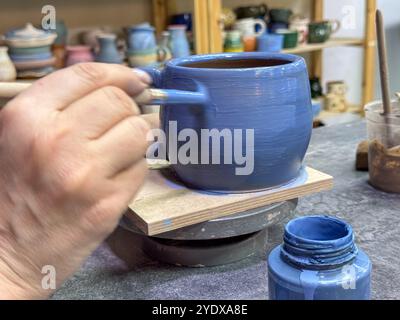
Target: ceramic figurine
column 300, row 24
column 335, row 99
column 178, row 43
column 7, row 69
column 267, row 92
column 108, row 52
column 228, row 18
column 77, row 54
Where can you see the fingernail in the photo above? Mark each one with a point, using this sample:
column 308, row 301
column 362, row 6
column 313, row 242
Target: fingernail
column 144, row 76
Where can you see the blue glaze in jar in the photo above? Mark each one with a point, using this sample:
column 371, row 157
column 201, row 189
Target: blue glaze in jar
column 266, row 92
column 318, row 260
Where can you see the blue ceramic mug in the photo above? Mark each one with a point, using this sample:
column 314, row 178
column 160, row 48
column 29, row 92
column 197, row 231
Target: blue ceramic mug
column 270, row 42
column 265, row 92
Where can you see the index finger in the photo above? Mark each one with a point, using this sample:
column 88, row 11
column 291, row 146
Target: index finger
column 61, row 88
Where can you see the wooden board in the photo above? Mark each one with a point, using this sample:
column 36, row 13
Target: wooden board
column 163, row 206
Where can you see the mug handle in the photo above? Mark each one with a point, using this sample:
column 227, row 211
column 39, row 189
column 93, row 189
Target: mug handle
column 263, row 26
column 335, row 26
column 171, row 96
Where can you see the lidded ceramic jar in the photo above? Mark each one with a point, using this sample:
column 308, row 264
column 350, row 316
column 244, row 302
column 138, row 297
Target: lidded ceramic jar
column 318, row 260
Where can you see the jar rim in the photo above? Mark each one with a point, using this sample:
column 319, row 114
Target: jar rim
column 374, row 110
column 344, row 228
column 318, row 242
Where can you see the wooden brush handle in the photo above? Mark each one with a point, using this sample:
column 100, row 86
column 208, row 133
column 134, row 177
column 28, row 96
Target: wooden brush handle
column 11, row 89
column 383, row 65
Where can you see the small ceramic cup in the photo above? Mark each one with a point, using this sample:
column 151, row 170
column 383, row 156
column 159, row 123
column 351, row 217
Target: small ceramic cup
column 270, row 42
column 233, row 41
column 321, row 31
column 249, row 26
column 290, row 38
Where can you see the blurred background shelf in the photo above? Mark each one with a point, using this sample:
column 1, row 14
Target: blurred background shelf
column 329, row 44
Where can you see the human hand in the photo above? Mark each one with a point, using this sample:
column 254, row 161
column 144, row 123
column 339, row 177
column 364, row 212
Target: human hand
column 72, row 152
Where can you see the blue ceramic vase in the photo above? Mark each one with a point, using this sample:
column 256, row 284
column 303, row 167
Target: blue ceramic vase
column 179, row 43
column 318, row 260
column 108, row 52
column 141, row 38
column 264, row 92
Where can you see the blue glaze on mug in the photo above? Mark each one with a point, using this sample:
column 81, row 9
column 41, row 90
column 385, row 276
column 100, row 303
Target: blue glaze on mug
column 273, row 100
column 318, row 260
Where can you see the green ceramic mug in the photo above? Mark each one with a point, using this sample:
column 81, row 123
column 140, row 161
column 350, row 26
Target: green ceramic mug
column 290, row 38
column 321, row 31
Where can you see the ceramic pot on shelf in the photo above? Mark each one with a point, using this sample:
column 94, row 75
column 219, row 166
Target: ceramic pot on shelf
column 216, row 87
column 270, row 42
column 179, row 43
column 255, row 11
column 321, row 31
column 141, row 37
column 233, row 41
column 183, row 19
column 281, row 15
column 300, row 24
column 7, row 68
column 108, row 51
column 77, row 54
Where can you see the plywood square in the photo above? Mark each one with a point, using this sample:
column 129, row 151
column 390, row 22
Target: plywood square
column 163, row 205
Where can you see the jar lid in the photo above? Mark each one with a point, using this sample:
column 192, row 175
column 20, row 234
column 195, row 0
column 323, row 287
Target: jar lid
column 29, row 36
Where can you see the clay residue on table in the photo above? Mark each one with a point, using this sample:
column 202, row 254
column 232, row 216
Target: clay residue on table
column 384, row 169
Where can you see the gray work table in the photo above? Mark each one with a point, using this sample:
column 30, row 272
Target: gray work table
column 374, row 215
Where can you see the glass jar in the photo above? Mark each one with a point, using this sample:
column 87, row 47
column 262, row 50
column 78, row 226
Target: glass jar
column 318, row 260
column 384, row 146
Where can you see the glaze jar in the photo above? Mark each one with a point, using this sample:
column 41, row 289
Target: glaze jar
column 264, row 93
column 318, row 260
column 384, row 146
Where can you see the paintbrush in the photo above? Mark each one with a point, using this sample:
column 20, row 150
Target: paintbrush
column 384, row 73
column 9, row 90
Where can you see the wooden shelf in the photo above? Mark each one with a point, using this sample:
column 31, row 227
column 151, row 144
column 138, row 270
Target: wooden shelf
column 329, row 44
